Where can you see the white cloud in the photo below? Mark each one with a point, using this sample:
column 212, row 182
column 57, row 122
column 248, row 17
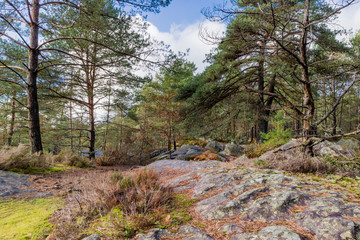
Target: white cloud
column 349, row 18
column 180, row 38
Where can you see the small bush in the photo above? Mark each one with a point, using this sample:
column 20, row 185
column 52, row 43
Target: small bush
column 206, row 156
column 20, row 157
column 67, row 157
column 123, row 204
column 256, row 150
column 298, row 162
column 122, row 156
column 277, row 136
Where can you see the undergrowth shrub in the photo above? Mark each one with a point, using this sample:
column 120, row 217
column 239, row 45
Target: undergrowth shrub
column 67, row 157
column 20, row 157
column 298, row 161
column 256, row 150
column 127, row 154
column 192, row 141
column 277, row 136
column 123, row 204
column 206, row 156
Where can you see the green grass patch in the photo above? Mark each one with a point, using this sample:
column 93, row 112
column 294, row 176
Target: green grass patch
column 35, row 170
column 26, row 219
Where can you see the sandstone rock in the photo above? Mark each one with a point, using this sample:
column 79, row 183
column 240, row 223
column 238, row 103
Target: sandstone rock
column 275, row 206
column 241, row 159
column 230, row 228
column 270, row 233
column 92, row 237
column 327, row 148
column 232, row 207
column 214, row 147
column 233, row 150
column 212, row 182
column 263, row 195
column 350, row 145
column 193, row 233
column 165, row 165
column 155, row 234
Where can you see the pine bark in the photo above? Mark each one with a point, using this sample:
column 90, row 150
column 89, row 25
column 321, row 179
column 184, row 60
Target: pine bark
column 32, row 95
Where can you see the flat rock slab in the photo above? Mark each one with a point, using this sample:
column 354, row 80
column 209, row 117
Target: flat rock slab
column 166, row 165
column 286, row 207
column 16, row 184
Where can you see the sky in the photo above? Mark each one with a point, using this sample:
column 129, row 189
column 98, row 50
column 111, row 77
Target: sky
column 179, row 25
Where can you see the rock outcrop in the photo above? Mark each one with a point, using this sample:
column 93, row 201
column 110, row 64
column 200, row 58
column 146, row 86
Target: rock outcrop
column 245, row 204
column 232, row 149
column 17, row 184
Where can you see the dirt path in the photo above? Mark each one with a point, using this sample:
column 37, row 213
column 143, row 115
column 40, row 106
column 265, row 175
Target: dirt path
column 14, row 185
column 62, row 183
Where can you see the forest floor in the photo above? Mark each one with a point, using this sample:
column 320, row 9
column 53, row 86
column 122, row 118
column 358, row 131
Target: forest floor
column 62, row 183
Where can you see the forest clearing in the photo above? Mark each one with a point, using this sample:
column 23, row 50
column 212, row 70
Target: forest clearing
column 108, row 131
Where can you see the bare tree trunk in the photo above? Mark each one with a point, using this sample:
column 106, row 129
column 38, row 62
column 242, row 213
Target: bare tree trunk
column 92, row 128
column 107, row 118
column 71, row 121
column 308, row 100
column 32, row 97
column 12, row 120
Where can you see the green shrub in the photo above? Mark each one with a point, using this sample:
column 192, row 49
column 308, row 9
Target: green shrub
column 256, row 150
column 277, row 136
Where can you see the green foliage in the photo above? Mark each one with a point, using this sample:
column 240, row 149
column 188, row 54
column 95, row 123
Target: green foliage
column 260, row 163
column 26, row 219
column 256, row 150
column 277, row 136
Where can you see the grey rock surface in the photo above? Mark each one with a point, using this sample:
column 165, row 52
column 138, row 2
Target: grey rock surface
column 232, row 149
column 165, row 165
column 14, row 184
column 270, row 233
column 155, row 234
column 214, row 147
column 92, row 237
column 193, row 233
column 265, row 195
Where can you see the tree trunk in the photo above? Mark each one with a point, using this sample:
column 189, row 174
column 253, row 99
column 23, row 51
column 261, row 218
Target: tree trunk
column 12, row 120
column 263, row 121
column 32, row 97
column 92, row 128
column 308, row 100
column 107, row 118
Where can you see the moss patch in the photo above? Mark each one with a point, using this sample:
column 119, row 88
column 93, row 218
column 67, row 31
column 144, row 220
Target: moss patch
column 26, row 219
column 336, row 182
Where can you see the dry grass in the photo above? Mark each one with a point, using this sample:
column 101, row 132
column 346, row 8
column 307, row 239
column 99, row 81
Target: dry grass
column 256, row 150
column 67, row 157
column 20, row 158
column 121, row 204
column 126, row 155
column 298, row 162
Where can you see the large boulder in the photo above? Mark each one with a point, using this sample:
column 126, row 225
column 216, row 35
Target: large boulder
column 351, row 145
column 214, row 147
column 233, row 150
